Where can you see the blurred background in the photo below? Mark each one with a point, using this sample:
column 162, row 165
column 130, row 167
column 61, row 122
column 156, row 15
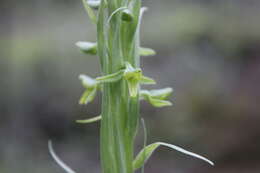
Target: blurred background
column 207, row 50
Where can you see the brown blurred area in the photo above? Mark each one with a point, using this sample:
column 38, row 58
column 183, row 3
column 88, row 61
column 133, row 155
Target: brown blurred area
column 207, row 50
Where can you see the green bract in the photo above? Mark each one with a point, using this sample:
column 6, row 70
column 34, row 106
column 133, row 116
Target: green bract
column 91, row 86
column 118, row 48
column 134, row 77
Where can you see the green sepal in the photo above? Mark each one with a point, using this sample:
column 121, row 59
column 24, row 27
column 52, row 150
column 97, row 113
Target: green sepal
column 134, row 77
column 133, row 87
column 90, row 120
column 146, row 153
column 147, row 80
column 161, row 93
column 159, row 103
column 90, row 12
column 87, row 47
column 114, row 77
column 127, row 15
column 157, row 97
column 88, row 96
column 94, row 4
column 91, row 86
column 146, row 51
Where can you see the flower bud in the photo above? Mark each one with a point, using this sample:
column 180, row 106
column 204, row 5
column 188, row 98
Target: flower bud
column 94, row 3
column 127, row 15
column 87, row 47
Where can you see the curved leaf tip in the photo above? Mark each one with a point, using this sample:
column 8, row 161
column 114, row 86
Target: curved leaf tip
column 146, row 153
column 177, row 148
column 58, row 160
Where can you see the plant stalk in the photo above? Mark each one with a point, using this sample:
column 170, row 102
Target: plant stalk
column 118, row 42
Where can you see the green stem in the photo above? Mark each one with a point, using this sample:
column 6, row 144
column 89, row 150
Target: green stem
column 120, row 112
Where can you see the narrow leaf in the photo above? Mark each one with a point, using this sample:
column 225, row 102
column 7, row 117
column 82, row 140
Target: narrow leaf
column 148, row 150
column 177, row 148
column 90, row 12
column 91, row 120
column 58, row 160
column 87, row 47
column 144, row 155
column 114, row 77
column 146, row 51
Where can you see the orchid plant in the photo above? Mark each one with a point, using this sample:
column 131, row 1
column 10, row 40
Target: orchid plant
column 119, row 51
